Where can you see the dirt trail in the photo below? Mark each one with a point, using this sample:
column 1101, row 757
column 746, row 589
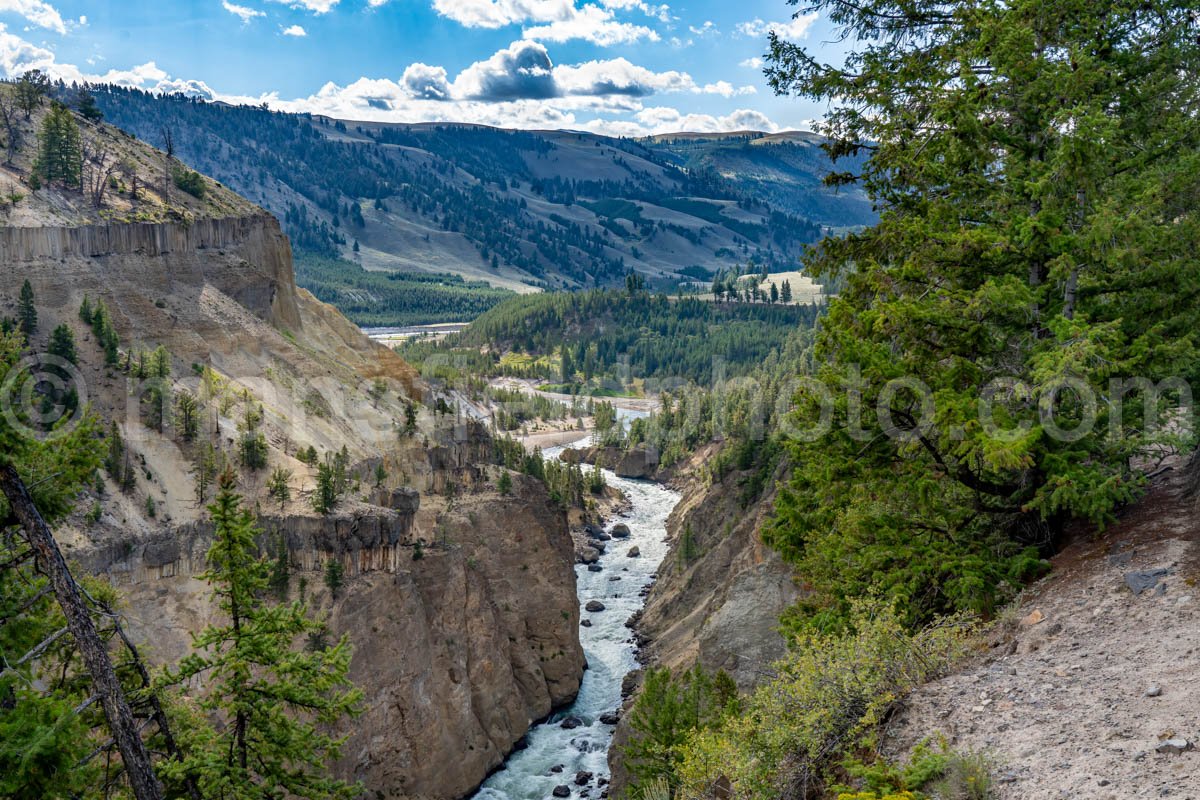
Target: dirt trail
column 1076, row 699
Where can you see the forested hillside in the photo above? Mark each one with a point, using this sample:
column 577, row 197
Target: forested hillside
column 615, row 340
column 516, row 209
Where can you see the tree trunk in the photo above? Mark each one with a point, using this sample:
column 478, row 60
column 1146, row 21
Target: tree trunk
column 124, row 729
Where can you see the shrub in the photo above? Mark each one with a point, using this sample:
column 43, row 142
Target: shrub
column 189, row 181
column 829, row 695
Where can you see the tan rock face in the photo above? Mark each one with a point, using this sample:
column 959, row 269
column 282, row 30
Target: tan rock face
column 719, row 592
column 457, row 652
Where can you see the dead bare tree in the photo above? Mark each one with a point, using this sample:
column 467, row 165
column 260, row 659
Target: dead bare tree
column 169, row 149
column 13, row 138
column 49, row 559
column 129, row 173
column 98, row 167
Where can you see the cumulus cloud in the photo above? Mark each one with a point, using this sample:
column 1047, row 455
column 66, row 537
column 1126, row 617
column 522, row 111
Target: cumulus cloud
column 188, row 88
column 752, row 63
column 315, row 6
column 521, row 71
column 592, row 24
column 242, row 12
column 37, row 12
column 796, row 28
column 554, row 20
column 424, row 82
column 295, row 30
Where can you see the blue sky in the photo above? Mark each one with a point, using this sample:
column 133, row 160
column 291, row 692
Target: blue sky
column 614, row 66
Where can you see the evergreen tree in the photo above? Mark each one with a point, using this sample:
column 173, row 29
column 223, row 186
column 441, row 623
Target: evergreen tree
column 277, row 701
column 62, row 343
column 786, row 294
column 85, row 310
column 187, row 414
column 60, row 149
column 504, row 483
column 1035, row 166
column 27, row 314
column 334, row 576
column 325, row 495
column 279, row 486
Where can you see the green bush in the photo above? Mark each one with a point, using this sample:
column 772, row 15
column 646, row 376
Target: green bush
column 825, row 704
column 189, row 181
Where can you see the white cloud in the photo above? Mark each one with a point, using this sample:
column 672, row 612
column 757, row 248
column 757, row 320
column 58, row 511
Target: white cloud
column 592, row 24
column 796, row 28
column 295, row 30
column 425, row 82
column 38, row 12
column 707, row 29
column 752, row 63
column 315, row 6
column 242, row 12
column 555, row 20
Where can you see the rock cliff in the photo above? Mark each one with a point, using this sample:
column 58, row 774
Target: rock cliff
column 460, row 603
column 719, row 592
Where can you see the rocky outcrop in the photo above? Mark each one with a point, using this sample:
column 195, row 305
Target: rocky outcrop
column 246, row 258
column 719, row 591
column 460, row 644
column 637, row 462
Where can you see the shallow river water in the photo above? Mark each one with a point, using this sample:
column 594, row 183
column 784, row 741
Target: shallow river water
column 609, row 649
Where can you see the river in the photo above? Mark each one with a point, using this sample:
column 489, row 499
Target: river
column 528, row 774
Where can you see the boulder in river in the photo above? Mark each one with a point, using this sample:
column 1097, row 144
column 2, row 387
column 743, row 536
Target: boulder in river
column 562, row 790
column 610, row 717
column 620, row 531
column 594, row 567
column 571, row 723
column 594, row 606
column 634, row 552
column 583, row 778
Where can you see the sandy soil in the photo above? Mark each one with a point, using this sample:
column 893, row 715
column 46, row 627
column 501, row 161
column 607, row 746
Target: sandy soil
column 1076, row 697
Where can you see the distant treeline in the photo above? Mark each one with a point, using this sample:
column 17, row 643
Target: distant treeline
column 394, row 298
column 629, row 335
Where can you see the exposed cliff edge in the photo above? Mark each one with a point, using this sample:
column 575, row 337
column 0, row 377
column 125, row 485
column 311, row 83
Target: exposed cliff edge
column 462, row 641
column 719, row 592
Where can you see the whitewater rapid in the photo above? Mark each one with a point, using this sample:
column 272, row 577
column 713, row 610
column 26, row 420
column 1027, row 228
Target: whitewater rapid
column 609, row 647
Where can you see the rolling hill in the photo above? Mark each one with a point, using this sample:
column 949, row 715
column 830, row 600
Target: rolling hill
column 519, row 210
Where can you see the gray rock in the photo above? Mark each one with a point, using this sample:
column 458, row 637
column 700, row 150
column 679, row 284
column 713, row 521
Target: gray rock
column 610, row 717
column 570, row 723
column 1142, row 580
column 557, row 768
column 620, row 531
column 1154, row 691
column 583, row 778
column 562, row 790
column 634, row 552
column 1174, row 746
column 594, row 606
column 586, row 623
column 594, row 568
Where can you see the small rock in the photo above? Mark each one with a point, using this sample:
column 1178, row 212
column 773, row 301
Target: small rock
column 594, row 568
column 614, row 578
column 583, row 778
column 1174, row 746
column 594, row 606
column 1139, row 582
column 620, row 531
column 571, row 723
column 562, row 790
column 1154, row 691
column 634, row 552
column 557, row 768
column 585, row 623
column 610, row 717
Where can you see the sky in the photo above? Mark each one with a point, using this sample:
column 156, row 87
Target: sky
column 620, row 67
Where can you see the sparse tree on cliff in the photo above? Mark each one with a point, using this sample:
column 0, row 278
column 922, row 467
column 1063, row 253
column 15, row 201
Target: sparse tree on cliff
column 277, row 700
column 13, row 138
column 60, row 149
column 279, row 486
column 26, row 310
column 31, row 88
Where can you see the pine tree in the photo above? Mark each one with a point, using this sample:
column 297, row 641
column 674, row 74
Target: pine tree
column 27, row 314
column 279, row 486
column 786, row 294
column 60, row 149
column 85, row 310
column 504, row 483
column 325, row 495
column 277, row 700
column 187, row 414
column 1035, row 165
column 62, row 343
